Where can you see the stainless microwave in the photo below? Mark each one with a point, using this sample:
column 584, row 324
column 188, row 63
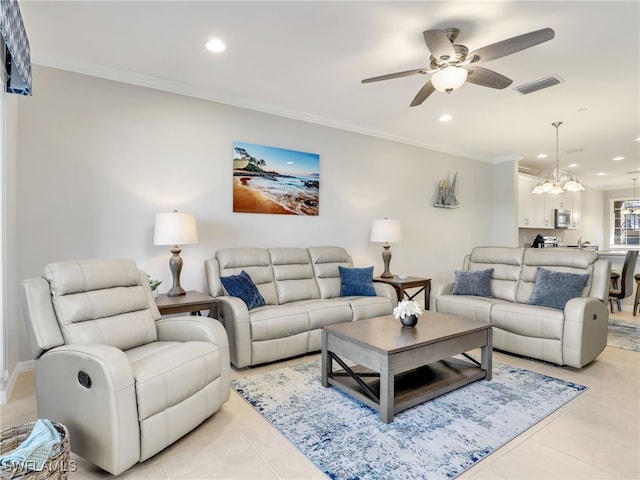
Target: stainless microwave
column 563, row 218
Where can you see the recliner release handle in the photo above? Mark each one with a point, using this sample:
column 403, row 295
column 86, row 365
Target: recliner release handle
column 84, row 379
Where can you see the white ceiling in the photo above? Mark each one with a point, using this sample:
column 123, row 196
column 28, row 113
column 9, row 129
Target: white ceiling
column 305, row 60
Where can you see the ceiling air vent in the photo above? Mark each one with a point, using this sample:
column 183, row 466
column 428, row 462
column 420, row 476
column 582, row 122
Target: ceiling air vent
column 539, row 84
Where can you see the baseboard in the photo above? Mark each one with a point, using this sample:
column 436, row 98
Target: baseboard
column 26, row 366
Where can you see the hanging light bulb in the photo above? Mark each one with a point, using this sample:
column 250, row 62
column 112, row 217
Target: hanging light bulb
column 636, row 208
column 551, row 183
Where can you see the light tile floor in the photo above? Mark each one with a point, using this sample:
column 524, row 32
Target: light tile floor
column 596, row 436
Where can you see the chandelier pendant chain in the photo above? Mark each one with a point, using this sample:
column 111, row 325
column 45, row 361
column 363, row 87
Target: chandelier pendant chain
column 557, row 125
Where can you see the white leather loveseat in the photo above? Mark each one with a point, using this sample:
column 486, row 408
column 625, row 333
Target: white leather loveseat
column 574, row 335
column 301, row 291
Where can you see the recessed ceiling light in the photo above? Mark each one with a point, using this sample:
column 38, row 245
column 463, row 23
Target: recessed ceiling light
column 601, row 174
column 216, row 45
column 446, row 118
column 543, row 155
column 615, row 159
column 574, row 165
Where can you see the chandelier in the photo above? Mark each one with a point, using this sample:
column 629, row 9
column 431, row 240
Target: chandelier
column 627, row 210
column 558, row 181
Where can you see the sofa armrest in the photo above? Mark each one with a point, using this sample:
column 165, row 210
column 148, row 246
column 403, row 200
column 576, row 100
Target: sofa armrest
column 186, row 328
column 102, row 417
column 586, row 321
column 234, row 315
column 385, row 290
column 437, row 290
column 40, row 318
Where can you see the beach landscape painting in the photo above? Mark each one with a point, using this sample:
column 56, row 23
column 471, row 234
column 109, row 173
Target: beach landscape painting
column 275, row 180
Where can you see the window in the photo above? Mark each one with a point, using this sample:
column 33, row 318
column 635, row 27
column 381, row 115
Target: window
column 625, row 227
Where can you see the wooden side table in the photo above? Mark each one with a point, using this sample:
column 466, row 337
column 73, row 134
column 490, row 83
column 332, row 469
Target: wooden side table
column 192, row 302
column 401, row 284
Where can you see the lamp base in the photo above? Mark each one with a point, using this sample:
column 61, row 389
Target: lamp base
column 386, row 259
column 175, row 265
column 176, row 292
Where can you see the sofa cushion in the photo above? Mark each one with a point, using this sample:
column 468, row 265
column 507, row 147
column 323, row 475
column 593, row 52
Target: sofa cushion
column 293, row 274
column 558, row 260
column 242, row 286
column 507, row 267
column 555, row 289
column 186, row 366
column 278, row 321
column 325, row 261
column 475, row 308
column 528, row 320
column 369, row 307
column 474, row 282
column 102, row 301
column 356, row 281
column 256, row 262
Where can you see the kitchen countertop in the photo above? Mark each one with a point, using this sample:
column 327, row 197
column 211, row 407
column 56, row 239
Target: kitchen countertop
column 614, row 253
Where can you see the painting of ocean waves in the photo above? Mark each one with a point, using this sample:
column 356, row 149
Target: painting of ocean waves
column 275, row 180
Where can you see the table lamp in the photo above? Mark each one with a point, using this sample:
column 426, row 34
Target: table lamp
column 175, row 229
column 386, row 231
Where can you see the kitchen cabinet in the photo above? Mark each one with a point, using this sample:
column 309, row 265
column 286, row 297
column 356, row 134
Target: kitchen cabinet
column 538, row 211
column 570, row 201
column 534, row 211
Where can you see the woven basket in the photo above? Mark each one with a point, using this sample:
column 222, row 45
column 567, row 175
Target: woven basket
column 55, row 468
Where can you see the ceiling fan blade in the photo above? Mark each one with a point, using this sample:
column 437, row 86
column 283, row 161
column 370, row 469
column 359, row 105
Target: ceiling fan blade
column 511, row 45
column 389, row 76
column 439, row 44
column 426, row 90
column 487, row 78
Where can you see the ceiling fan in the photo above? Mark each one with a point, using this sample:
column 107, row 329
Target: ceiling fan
column 452, row 65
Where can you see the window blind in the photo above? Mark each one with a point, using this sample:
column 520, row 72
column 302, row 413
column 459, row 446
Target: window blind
column 18, row 54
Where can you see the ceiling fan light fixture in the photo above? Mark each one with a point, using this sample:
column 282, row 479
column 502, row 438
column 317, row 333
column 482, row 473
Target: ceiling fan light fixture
column 449, row 79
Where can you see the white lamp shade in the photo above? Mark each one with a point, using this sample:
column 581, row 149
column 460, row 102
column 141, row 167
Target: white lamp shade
column 449, row 78
column 385, row 231
column 175, row 229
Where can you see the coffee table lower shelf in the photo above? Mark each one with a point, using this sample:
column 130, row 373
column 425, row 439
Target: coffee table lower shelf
column 410, row 388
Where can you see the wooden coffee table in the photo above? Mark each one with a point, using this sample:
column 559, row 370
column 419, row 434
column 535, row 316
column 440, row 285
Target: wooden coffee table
column 397, row 367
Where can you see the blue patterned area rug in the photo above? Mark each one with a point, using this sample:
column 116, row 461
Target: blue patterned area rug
column 440, row 438
column 625, row 335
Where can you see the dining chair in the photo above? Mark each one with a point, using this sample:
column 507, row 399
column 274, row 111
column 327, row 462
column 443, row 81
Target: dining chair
column 626, row 280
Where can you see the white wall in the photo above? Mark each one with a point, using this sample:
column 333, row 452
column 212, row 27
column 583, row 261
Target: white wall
column 593, row 213
column 504, row 204
column 98, row 159
column 11, row 320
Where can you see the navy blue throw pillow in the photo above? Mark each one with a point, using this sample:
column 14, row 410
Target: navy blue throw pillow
column 242, row 286
column 555, row 289
column 473, row 282
column 356, row 281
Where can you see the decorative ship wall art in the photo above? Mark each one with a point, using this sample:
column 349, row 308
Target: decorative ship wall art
column 448, row 194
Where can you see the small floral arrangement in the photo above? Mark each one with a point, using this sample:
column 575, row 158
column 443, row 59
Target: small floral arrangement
column 153, row 283
column 406, row 308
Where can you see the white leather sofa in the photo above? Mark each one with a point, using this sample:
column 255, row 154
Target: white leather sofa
column 126, row 382
column 301, row 290
column 572, row 336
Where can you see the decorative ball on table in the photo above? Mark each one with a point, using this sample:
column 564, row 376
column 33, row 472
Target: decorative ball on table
column 408, row 312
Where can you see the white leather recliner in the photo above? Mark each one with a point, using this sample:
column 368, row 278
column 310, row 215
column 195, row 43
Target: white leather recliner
column 126, row 382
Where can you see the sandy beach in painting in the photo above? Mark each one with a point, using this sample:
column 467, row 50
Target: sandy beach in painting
column 246, row 199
